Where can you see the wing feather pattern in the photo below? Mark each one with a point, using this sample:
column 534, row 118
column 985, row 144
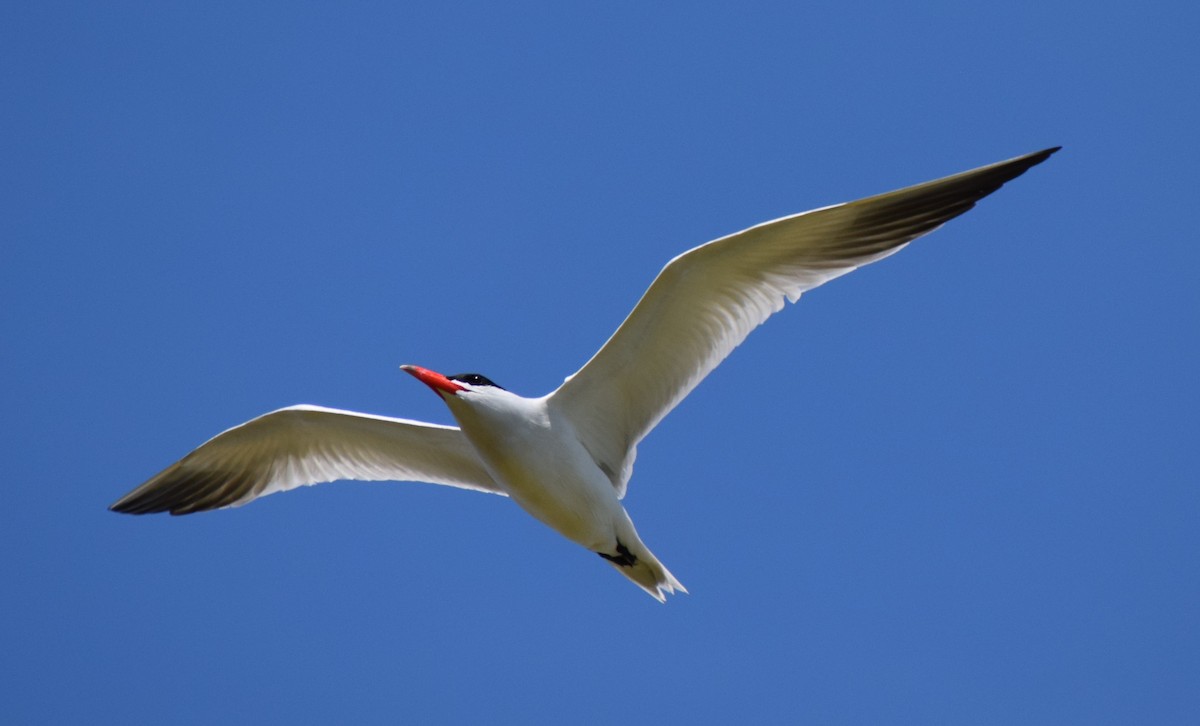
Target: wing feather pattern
column 303, row 445
column 706, row 301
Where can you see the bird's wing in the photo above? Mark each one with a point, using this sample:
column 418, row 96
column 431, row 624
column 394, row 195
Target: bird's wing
column 706, row 301
column 304, row 445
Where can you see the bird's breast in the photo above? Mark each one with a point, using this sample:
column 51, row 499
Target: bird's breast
column 546, row 470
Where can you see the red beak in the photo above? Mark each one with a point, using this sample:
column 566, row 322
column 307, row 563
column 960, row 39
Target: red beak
column 436, row 381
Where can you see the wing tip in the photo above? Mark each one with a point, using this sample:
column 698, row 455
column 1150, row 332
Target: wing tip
column 1016, row 166
column 1039, row 156
column 148, row 505
column 134, row 505
column 127, row 504
column 1030, row 160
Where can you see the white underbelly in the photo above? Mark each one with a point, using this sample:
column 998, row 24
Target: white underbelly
column 541, row 464
column 582, row 508
column 557, row 482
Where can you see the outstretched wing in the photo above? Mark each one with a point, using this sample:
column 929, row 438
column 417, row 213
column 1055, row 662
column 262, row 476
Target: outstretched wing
column 303, row 445
column 706, row 301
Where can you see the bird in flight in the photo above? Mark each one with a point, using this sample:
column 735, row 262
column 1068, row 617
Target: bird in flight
column 566, row 457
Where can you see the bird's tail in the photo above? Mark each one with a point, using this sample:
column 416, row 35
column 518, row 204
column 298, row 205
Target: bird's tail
column 639, row 564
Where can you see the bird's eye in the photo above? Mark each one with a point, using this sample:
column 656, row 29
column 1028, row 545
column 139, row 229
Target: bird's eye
column 474, row 379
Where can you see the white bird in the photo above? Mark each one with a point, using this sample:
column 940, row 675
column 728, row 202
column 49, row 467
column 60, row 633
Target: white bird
column 566, row 457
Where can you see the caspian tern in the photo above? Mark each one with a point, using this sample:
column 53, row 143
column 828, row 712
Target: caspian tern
column 566, row 457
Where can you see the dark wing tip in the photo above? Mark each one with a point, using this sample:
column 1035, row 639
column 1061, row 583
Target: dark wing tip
column 183, row 491
column 128, row 504
column 1005, row 171
column 888, row 220
column 1030, row 160
column 139, row 505
column 137, row 502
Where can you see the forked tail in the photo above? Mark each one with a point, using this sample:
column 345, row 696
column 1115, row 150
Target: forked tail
column 640, row 565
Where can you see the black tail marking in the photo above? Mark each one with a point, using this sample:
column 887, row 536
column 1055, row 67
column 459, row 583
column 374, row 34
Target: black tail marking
column 624, row 557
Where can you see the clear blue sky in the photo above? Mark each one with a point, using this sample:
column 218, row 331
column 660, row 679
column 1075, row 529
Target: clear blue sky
column 960, row 486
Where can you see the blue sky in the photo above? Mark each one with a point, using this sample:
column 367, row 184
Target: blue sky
column 959, row 486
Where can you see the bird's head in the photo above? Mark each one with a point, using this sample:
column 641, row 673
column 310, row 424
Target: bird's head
column 453, row 385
